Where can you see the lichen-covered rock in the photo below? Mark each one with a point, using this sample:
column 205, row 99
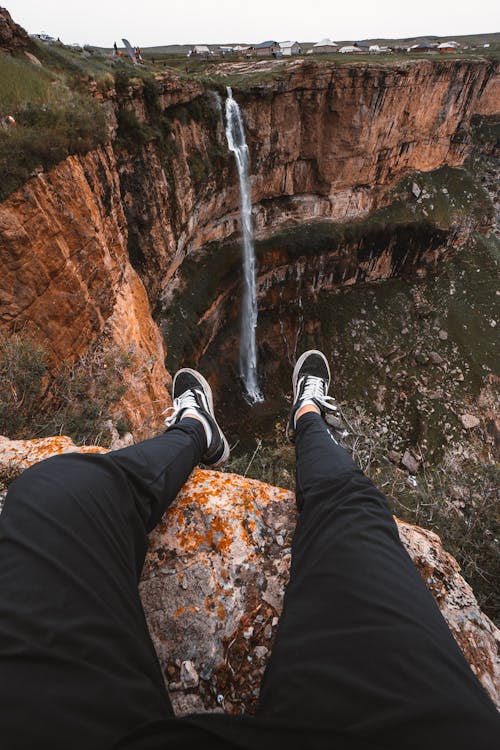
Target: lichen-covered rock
column 214, row 578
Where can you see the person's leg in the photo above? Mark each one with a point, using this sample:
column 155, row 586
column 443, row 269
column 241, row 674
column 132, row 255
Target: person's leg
column 77, row 665
column 361, row 644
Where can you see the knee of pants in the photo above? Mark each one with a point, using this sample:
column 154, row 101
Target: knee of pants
column 347, row 493
column 55, row 481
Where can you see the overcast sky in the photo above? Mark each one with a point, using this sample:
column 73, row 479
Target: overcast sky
column 155, row 22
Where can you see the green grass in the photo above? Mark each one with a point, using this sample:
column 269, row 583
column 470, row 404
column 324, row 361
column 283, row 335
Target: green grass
column 21, row 82
column 54, row 111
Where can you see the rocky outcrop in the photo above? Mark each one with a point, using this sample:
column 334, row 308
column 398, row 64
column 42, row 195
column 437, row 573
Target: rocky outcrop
column 13, row 37
column 67, row 280
column 213, row 584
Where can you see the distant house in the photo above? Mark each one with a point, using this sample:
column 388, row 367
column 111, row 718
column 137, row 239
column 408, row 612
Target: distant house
column 448, row 46
column 362, row 46
column 266, row 49
column 200, row 50
column 375, row 49
column 349, row 49
column 222, row 50
column 422, row 47
column 324, row 46
column 43, row 37
column 241, row 49
column 290, row 48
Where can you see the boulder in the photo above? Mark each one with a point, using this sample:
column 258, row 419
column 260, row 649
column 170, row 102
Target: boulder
column 12, row 36
column 214, row 578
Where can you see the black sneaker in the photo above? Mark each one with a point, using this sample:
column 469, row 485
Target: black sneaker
column 191, row 391
column 310, row 380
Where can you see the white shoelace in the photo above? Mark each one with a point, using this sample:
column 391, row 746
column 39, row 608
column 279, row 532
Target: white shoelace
column 188, row 404
column 185, row 401
column 314, row 391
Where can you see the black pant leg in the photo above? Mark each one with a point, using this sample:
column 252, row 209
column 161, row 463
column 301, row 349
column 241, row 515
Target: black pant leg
column 77, row 665
column 361, row 643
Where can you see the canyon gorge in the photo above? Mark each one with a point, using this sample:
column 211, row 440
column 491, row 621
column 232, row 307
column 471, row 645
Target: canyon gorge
column 95, row 247
column 375, row 210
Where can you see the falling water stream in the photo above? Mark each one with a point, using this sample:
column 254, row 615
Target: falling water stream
column 235, row 134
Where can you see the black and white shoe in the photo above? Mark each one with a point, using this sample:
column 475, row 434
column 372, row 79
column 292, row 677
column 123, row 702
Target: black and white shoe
column 310, row 380
column 192, row 393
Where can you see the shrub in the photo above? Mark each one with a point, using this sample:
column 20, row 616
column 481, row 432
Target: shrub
column 77, row 401
column 131, row 132
column 23, row 380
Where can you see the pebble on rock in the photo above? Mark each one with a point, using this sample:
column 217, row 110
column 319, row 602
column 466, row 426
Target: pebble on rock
column 469, row 421
column 189, row 675
column 410, row 462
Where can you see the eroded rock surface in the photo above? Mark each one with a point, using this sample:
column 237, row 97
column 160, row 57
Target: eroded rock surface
column 213, row 584
column 13, row 37
column 67, row 280
column 326, row 142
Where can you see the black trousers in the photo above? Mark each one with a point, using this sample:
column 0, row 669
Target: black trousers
column 362, row 658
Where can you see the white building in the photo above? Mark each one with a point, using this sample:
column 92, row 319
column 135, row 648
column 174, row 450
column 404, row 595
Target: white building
column 200, row 50
column 324, row 46
column 290, row 48
column 375, row 49
column 349, row 49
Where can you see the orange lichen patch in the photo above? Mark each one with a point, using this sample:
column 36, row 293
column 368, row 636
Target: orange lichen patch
column 22, row 454
column 179, row 611
column 477, row 656
column 221, row 611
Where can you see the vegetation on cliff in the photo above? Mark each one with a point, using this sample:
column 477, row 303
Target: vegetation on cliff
column 55, row 116
column 78, row 401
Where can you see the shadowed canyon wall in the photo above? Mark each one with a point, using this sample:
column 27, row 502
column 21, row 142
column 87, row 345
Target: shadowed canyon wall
column 90, row 250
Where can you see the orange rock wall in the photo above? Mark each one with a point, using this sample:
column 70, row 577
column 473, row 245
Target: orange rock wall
column 82, row 245
column 66, row 279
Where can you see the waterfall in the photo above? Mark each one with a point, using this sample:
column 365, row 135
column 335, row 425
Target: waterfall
column 235, row 134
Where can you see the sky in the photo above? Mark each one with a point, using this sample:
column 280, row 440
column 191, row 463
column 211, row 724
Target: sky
column 156, row 22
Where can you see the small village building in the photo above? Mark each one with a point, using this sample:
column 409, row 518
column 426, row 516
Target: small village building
column 349, row 49
column 422, row 47
column 200, row 50
column 290, row 48
column 362, row 46
column 448, row 46
column 324, row 46
column 242, row 49
column 375, row 49
column 266, row 49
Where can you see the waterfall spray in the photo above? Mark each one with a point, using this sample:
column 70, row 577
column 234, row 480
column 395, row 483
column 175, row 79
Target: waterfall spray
column 235, row 134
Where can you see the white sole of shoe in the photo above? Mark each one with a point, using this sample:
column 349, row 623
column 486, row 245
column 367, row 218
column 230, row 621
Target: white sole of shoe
column 299, row 364
column 208, row 392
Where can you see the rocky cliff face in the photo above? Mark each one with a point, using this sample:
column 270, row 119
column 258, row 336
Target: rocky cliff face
column 91, row 249
column 67, row 280
column 13, row 37
column 215, row 574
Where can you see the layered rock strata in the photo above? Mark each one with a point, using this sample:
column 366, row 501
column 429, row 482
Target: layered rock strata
column 215, row 574
column 81, row 245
